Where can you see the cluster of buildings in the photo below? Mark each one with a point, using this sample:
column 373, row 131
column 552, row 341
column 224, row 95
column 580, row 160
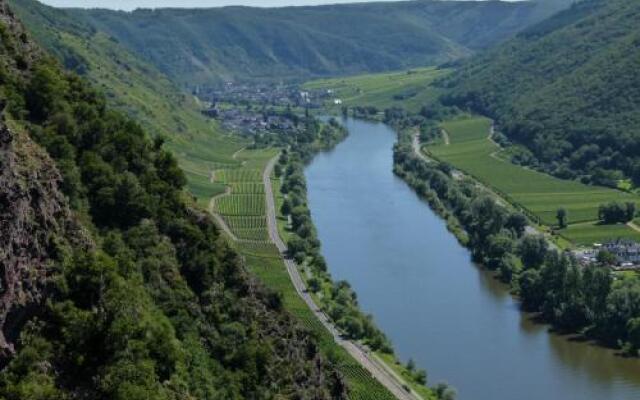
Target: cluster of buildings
column 259, row 108
column 265, row 94
column 248, row 122
column 625, row 251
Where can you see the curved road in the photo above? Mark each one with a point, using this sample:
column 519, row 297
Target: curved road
column 369, row 361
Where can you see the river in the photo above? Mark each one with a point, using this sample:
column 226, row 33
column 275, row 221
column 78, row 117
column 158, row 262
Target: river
column 435, row 305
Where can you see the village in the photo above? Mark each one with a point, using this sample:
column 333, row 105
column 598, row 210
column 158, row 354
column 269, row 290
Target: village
column 261, row 108
column 620, row 254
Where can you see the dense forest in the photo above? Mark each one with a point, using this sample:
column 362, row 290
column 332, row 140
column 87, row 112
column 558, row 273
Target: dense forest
column 567, row 89
column 115, row 286
column 207, row 46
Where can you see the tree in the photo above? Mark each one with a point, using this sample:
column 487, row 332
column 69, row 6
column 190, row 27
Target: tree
column 517, row 223
column 613, row 213
column 606, row 258
column 633, row 336
column 561, row 216
column 285, row 209
column 314, row 285
column 533, row 250
column 531, row 290
column 630, row 211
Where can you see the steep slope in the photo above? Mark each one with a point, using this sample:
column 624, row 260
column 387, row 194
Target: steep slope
column 113, row 285
column 568, row 89
column 135, row 87
column 202, row 46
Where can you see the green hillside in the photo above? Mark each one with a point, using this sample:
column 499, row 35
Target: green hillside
column 136, row 88
column 408, row 89
column 204, row 46
column 114, row 285
column 568, row 89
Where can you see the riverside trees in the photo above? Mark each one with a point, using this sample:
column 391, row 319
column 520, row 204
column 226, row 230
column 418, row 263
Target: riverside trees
column 572, row 298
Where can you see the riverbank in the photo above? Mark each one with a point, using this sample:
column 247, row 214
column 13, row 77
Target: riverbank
column 337, row 301
column 587, row 301
column 252, row 230
column 436, row 306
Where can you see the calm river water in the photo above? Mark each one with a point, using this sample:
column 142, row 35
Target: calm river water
column 432, row 301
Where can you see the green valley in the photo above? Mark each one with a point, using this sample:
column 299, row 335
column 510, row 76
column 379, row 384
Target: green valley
column 320, row 202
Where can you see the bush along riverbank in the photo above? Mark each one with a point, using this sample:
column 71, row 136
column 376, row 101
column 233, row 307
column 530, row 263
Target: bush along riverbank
column 336, row 298
column 591, row 301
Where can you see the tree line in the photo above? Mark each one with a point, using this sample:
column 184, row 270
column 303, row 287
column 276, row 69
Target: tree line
column 585, row 300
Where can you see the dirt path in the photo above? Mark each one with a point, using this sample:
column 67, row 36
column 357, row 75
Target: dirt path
column 235, row 155
column 218, row 218
column 418, row 150
column 358, row 352
column 445, row 137
column 633, row 226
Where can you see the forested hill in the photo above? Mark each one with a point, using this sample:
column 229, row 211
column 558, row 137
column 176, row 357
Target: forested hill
column 114, row 286
column 207, row 45
column 568, row 88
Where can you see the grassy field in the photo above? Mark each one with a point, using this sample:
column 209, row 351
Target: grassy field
column 471, row 151
column 405, row 89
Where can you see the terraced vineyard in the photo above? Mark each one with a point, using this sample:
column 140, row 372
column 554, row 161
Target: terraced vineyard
column 243, row 206
column 540, row 195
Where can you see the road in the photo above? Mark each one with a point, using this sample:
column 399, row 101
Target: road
column 379, row 371
column 417, row 150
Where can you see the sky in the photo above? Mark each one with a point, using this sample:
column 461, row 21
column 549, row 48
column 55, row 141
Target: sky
column 132, row 4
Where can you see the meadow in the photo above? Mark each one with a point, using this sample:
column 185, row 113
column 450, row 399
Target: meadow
column 406, row 89
column 538, row 194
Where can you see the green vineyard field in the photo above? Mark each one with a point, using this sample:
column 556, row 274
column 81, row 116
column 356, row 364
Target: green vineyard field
column 247, row 188
column 241, row 205
column 238, row 175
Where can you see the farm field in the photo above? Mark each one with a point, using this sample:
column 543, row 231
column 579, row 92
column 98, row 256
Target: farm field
column 243, row 206
column 406, row 89
column 541, row 195
column 588, row 233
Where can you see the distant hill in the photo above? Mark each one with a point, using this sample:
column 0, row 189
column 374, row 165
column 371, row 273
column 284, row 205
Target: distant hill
column 568, row 88
column 207, row 45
